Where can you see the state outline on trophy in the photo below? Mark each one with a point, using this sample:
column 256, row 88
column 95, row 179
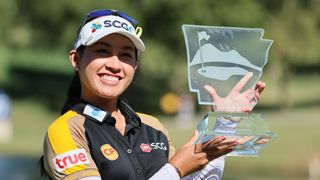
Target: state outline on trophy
column 221, row 57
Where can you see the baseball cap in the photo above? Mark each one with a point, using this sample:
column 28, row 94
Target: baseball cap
column 100, row 27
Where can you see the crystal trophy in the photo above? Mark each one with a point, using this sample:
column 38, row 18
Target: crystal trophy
column 230, row 60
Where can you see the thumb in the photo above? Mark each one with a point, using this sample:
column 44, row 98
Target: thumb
column 212, row 92
column 192, row 139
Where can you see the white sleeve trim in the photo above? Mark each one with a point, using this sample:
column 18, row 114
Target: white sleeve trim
column 213, row 170
column 167, row 172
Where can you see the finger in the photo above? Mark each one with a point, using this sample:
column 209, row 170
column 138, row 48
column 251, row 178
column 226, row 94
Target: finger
column 198, row 148
column 221, row 151
column 257, row 95
column 192, row 139
column 242, row 82
column 217, row 155
column 212, row 92
column 262, row 141
column 227, row 145
column 213, row 142
column 260, row 86
column 216, row 148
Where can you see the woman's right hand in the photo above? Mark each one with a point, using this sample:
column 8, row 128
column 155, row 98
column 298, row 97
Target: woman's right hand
column 190, row 157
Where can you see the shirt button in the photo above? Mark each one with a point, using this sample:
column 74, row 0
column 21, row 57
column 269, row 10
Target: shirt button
column 139, row 171
column 129, row 151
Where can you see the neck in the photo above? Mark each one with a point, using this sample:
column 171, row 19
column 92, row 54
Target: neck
column 109, row 105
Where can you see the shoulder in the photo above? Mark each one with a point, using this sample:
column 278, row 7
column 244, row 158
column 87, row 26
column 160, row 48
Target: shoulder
column 151, row 121
column 156, row 124
column 66, row 129
column 68, row 120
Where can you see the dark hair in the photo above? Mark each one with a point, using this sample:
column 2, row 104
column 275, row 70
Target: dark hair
column 44, row 174
column 74, row 93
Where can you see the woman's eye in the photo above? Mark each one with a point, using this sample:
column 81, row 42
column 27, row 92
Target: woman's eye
column 102, row 51
column 127, row 55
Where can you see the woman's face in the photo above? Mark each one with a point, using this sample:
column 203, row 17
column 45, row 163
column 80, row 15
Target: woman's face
column 105, row 68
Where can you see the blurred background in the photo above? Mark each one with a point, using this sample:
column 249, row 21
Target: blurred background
column 36, row 36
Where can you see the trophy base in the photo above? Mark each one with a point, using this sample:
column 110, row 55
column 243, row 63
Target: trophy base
column 250, row 130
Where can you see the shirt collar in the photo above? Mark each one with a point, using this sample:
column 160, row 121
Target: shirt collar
column 100, row 116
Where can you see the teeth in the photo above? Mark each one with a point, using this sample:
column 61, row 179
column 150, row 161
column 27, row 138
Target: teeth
column 110, row 78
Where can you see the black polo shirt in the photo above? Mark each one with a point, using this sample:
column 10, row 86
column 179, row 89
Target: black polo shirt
column 84, row 142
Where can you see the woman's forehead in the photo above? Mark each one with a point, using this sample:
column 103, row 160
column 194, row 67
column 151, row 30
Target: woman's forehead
column 116, row 40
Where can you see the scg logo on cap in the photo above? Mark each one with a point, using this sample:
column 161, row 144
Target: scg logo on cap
column 118, row 24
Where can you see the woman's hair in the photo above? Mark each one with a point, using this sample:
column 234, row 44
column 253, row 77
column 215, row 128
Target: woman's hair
column 73, row 95
column 74, row 91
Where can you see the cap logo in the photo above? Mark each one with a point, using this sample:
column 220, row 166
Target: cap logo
column 109, row 152
column 102, row 26
column 95, row 26
column 118, row 24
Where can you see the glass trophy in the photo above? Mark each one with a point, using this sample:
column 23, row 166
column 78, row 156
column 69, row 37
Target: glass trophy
column 230, row 60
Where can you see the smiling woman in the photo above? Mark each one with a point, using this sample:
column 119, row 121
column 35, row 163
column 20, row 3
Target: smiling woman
column 98, row 135
column 110, row 62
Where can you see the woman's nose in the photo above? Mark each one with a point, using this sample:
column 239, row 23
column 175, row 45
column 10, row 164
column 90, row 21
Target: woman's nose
column 113, row 64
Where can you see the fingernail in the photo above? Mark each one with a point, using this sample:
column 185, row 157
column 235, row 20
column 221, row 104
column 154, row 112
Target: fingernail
column 235, row 142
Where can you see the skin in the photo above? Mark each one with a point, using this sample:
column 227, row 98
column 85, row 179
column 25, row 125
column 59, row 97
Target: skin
column 229, row 103
column 193, row 157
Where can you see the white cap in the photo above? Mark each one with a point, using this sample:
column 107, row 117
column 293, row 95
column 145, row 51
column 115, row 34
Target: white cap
column 100, row 27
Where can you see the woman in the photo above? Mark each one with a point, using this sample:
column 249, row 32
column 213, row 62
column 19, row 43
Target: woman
column 98, row 135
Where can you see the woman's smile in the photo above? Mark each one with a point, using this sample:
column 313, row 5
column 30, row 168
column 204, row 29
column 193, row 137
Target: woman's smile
column 109, row 79
column 106, row 68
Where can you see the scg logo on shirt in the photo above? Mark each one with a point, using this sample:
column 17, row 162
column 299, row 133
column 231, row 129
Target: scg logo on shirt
column 158, row 145
column 70, row 159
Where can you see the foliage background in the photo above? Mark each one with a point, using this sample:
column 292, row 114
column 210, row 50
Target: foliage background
column 36, row 35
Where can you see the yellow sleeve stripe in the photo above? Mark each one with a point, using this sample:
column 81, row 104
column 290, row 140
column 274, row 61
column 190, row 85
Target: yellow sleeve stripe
column 59, row 134
column 61, row 139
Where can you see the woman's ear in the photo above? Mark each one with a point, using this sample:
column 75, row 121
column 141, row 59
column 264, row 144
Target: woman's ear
column 74, row 58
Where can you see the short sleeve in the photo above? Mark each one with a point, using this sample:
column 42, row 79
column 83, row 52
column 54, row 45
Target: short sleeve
column 66, row 151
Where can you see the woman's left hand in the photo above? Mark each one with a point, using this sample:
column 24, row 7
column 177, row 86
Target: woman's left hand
column 236, row 101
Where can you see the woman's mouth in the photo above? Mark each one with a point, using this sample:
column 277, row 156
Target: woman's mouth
column 110, row 79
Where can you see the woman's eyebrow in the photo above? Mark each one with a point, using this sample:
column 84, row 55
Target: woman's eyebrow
column 109, row 45
column 103, row 43
column 128, row 48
